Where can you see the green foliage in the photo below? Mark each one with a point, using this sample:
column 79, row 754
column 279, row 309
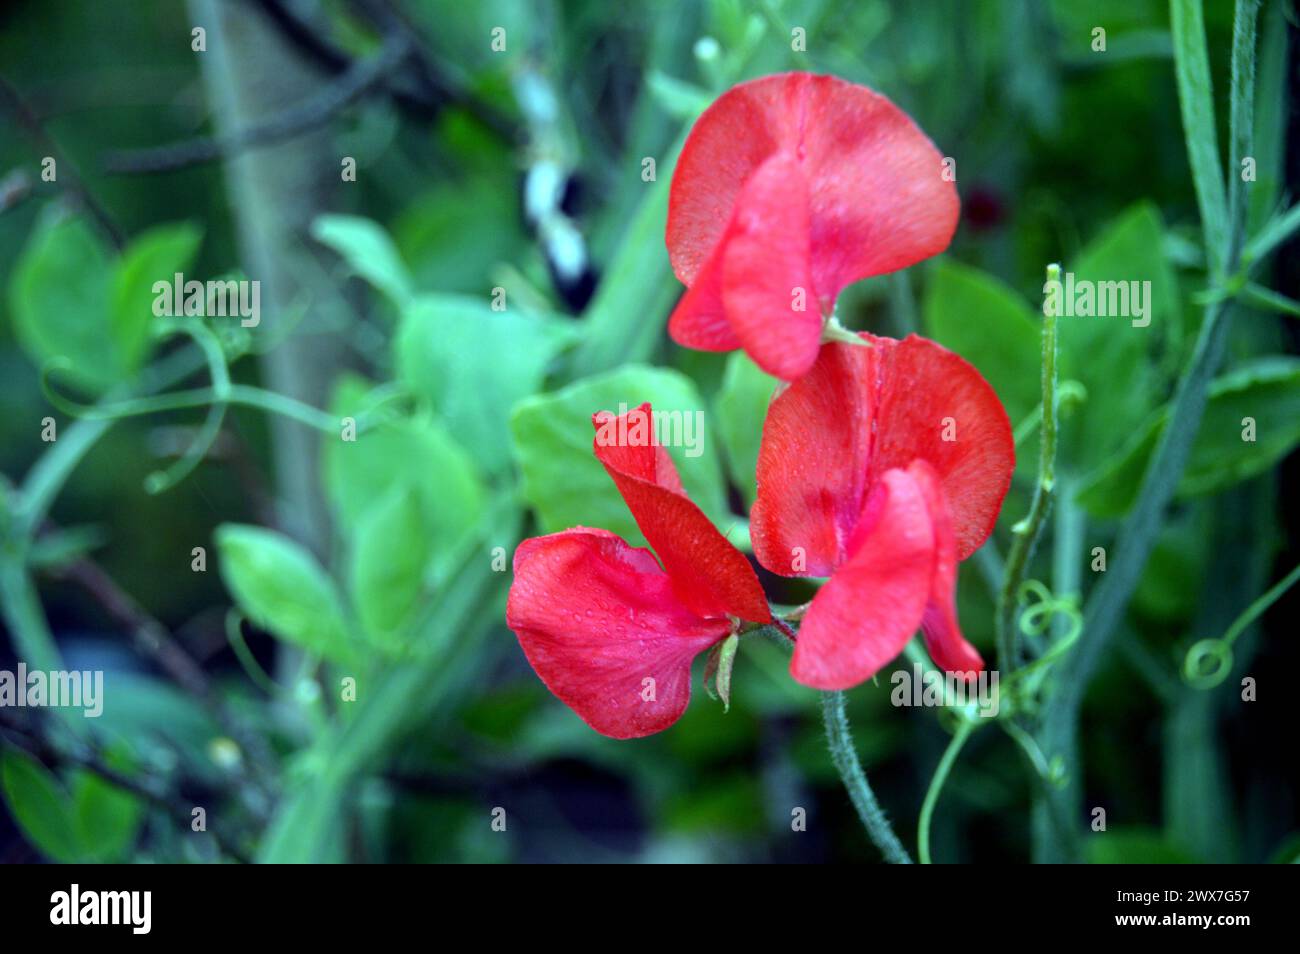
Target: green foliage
column 403, row 452
column 562, row 480
column 1266, row 392
column 1134, row 846
column 72, row 300
column 738, row 409
column 106, row 817
column 368, row 250
column 392, row 548
column 473, row 364
column 40, row 804
column 990, row 326
column 280, row 587
column 1099, row 352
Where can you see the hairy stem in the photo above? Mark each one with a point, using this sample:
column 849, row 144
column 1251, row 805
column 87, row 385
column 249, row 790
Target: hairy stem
column 845, row 757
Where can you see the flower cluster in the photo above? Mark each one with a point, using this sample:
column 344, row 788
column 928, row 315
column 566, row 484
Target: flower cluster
column 882, row 463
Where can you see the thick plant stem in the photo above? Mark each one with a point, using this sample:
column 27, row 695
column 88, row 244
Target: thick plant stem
column 936, row 788
column 1027, row 531
column 840, row 742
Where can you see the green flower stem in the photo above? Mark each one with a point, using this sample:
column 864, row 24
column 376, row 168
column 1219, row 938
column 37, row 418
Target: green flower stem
column 1027, row 531
column 845, row 757
column 950, row 754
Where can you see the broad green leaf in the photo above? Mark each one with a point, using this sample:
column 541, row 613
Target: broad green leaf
column 59, row 294
column 107, row 818
column 369, row 251
column 391, row 549
column 156, row 256
column 1266, row 392
column 567, row 486
column 407, row 452
column 988, row 324
column 279, row 586
column 1109, row 355
column 40, row 805
column 739, row 410
column 474, row 364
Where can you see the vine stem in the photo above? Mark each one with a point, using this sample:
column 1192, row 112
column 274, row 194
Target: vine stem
column 845, row 757
column 936, row 787
column 1027, row 531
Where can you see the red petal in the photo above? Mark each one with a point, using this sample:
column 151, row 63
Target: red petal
column 596, row 618
column 813, row 464
column 699, row 321
column 878, row 201
column 709, row 575
column 923, row 386
column 767, row 287
column 864, row 616
column 943, row 637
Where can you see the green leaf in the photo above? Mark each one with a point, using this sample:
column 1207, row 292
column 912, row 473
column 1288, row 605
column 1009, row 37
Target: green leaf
column 563, row 481
column 40, row 806
column 369, row 251
column 1109, row 355
column 406, row 452
column 1196, row 100
column 1266, row 391
column 391, row 549
column 739, row 409
column 988, row 324
column 107, row 818
column 59, row 296
column 279, row 586
column 474, row 364
column 156, row 256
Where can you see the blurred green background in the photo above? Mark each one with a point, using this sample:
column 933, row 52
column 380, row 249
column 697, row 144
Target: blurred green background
column 522, row 170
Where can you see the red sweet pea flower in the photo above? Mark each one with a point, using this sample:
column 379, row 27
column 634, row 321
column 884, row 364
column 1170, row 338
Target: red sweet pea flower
column 610, row 631
column 789, row 188
column 881, row 468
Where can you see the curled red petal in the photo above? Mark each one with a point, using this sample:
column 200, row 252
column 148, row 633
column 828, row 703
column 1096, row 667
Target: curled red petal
column 868, row 610
column 813, row 464
column 700, row 320
column 600, row 625
column 934, row 406
column 943, row 638
column 878, row 199
column 708, row 574
column 767, row 285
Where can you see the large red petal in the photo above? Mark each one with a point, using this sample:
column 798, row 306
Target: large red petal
column 708, row 574
column 813, row 464
column 934, row 406
column 597, row 619
column 866, row 613
column 878, row 199
column 767, row 287
column 943, row 638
